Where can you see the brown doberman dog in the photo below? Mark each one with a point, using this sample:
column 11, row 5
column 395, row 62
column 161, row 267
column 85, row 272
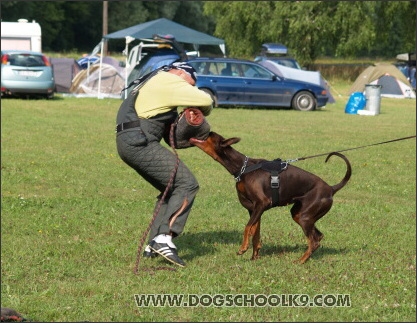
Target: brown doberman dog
column 311, row 196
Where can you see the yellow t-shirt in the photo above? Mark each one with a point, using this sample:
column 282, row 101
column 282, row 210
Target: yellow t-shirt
column 165, row 92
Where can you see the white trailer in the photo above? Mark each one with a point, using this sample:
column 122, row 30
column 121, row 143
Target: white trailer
column 21, row 35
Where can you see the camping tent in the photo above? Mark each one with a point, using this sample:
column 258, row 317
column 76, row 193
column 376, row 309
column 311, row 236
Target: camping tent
column 162, row 26
column 86, row 82
column 394, row 83
column 297, row 74
column 65, row 70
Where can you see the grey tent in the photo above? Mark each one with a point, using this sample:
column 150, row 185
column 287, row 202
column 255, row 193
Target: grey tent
column 65, row 70
column 85, row 83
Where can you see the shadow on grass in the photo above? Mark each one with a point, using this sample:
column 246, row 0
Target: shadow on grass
column 299, row 249
column 194, row 245
column 207, row 243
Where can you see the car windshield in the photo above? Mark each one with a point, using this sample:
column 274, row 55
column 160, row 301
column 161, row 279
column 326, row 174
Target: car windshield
column 26, row 60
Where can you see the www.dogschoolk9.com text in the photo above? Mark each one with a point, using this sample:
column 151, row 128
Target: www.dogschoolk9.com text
column 242, row 300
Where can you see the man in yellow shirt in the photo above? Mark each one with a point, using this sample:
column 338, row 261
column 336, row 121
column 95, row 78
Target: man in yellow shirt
column 142, row 122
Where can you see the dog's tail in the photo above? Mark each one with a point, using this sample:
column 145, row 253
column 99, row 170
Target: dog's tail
column 348, row 174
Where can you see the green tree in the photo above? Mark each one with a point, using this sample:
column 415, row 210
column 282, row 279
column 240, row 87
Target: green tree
column 66, row 25
column 239, row 24
column 310, row 29
column 315, row 28
column 395, row 27
column 354, row 32
column 77, row 25
column 78, row 30
column 304, row 26
column 123, row 14
column 300, row 25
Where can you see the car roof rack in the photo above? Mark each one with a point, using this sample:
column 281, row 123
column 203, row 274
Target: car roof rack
column 274, row 48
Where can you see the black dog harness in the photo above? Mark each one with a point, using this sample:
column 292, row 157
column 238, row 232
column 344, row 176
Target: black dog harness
column 274, row 167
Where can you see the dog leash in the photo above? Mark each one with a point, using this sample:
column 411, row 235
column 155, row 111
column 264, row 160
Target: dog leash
column 379, row 143
column 171, row 180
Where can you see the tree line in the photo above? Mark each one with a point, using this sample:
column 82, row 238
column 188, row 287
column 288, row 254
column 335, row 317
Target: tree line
column 310, row 29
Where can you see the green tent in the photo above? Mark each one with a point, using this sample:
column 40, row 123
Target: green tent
column 161, row 27
column 164, row 26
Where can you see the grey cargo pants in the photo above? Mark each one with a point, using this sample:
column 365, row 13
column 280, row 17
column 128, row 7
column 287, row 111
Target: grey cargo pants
column 155, row 163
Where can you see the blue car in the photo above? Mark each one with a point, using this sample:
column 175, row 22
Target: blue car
column 26, row 73
column 237, row 82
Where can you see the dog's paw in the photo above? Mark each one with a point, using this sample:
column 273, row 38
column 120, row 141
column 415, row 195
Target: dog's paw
column 302, row 259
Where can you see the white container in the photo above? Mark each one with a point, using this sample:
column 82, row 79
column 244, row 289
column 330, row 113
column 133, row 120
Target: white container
column 366, row 113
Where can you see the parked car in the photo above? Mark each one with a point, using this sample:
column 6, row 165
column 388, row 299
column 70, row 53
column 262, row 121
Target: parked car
column 277, row 53
column 26, row 73
column 237, row 82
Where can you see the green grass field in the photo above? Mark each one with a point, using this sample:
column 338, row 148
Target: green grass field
column 73, row 213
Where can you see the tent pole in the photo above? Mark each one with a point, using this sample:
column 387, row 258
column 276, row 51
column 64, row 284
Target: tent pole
column 129, row 39
column 99, row 96
column 223, row 49
column 126, row 52
column 126, row 59
column 88, row 69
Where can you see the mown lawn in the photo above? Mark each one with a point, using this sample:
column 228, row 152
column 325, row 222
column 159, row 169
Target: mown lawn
column 73, row 213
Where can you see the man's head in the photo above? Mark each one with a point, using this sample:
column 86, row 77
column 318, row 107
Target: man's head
column 184, row 70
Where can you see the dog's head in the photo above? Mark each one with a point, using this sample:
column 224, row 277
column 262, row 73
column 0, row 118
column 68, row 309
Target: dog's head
column 214, row 145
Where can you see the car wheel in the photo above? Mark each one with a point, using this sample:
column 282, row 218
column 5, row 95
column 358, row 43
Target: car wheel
column 213, row 97
column 304, row 101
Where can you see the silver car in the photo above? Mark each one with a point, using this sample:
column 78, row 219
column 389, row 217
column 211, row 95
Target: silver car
column 26, row 73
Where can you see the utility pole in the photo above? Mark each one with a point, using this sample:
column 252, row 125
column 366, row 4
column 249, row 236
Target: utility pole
column 105, row 25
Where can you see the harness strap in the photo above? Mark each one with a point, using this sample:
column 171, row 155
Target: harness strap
column 271, row 167
column 253, row 167
column 275, row 187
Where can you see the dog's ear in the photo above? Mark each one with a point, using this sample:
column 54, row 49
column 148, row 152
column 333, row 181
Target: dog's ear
column 229, row 142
